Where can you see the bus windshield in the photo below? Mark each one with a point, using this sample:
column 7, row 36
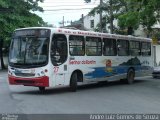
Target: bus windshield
column 26, row 51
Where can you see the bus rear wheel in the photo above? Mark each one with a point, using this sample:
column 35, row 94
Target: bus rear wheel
column 130, row 76
column 73, row 82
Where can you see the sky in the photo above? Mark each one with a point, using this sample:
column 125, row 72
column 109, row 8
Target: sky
column 70, row 10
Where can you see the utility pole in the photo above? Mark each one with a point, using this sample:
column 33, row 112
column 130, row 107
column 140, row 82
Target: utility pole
column 82, row 19
column 63, row 22
column 101, row 27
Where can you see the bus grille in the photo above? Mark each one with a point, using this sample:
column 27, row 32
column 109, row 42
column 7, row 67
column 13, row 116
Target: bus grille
column 25, row 74
column 24, row 81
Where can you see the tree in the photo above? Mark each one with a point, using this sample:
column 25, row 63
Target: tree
column 130, row 14
column 17, row 14
column 140, row 12
column 21, row 16
column 111, row 10
column 149, row 15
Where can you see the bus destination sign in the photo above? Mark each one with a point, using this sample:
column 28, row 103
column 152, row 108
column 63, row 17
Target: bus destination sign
column 33, row 32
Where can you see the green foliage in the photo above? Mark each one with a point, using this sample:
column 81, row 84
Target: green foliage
column 147, row 14
column 17, row 14
column 111, row 10
column 129, row 19
column 140, row 12
column 129, row 13
column 21, row 15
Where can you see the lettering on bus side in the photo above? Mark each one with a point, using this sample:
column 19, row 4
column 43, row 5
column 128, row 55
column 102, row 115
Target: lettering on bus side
column 77, row 62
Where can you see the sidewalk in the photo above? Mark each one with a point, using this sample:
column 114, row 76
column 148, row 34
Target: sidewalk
column 3, row 71
column 3, row 75
column 5, row 59
column 7, row 103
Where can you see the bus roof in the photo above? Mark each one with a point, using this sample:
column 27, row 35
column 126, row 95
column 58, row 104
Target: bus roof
column 87, row 33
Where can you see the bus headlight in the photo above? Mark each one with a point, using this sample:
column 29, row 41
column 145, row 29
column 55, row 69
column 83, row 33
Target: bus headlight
column 41, row 73
column 9, row 72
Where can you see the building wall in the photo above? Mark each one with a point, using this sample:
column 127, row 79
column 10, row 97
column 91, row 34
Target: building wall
column 87, row 21
column 140, row 32
column 87, row 24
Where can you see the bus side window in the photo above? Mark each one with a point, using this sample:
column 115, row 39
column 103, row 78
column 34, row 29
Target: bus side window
column 146, row 49
column 123, row 47
column 109, row 47
column 135, row 48
column 76, row 45
column 93, row 46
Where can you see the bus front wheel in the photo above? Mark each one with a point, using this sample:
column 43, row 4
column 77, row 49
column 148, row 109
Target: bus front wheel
column 130, row 76
column 73, row 82
column 42, row 89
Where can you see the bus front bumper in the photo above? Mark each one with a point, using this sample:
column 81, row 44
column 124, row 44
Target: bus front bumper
column 38, row 81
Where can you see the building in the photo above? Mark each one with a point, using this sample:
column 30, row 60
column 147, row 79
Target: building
column 90, row 22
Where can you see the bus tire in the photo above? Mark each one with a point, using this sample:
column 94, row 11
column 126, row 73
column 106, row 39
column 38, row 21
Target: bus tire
column 130, row 76
column 42, row 89
column 73, row 82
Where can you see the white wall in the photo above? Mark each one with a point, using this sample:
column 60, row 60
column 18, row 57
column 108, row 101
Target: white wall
column 87, row 20
column 140, row 32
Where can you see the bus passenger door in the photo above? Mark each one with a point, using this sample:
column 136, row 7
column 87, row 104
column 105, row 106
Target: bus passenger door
column 59, row 58
column 59, row 74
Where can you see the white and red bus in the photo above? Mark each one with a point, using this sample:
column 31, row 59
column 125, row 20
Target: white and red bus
column 53, row 57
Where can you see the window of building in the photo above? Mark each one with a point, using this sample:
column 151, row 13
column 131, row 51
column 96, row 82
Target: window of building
column 135, row 48
column 76, row 45
column 92, row 23
column 123, row 47
column 109, row 48
column 93, row 46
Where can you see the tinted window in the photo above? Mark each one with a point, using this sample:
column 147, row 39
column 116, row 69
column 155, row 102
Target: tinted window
column 123, row 47
column 93, row 46
column 109, row 48
column 76, row 45
column 146, row 48
column 135, row 48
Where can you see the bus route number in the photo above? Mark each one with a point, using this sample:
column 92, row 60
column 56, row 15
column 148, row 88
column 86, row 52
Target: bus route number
column 56, row 69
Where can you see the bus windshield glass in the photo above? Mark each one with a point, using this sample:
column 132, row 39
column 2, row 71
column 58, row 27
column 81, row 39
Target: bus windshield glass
column 29, row 50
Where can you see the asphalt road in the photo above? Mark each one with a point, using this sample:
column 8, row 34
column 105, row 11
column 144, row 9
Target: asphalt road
column 141, row 97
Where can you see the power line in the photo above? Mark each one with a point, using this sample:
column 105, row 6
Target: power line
column 68, row 5
column 62, row 2
column 68, row 2
column 60, row 12
column 67, row 9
